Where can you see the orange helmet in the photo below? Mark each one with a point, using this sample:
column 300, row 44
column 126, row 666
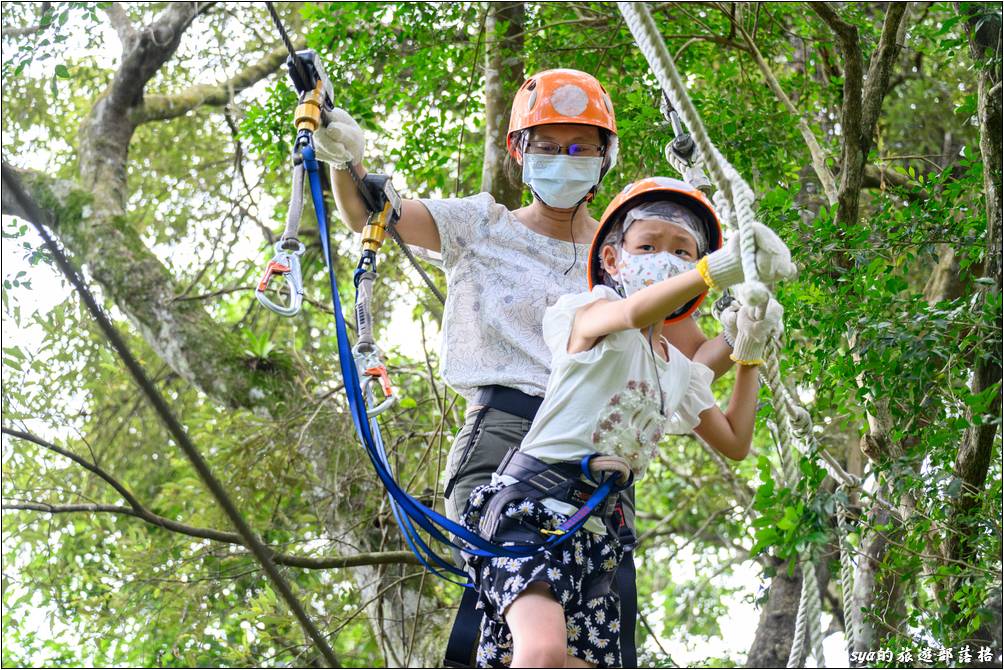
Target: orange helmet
column 654, row 189
column 562, row 96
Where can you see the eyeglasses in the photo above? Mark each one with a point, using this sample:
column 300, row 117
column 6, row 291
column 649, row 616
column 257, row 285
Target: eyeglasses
column 553, row 148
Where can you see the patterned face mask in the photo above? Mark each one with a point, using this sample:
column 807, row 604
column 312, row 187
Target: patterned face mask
column 636, row 271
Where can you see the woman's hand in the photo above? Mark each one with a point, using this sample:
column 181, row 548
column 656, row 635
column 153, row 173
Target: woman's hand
column 341, row 142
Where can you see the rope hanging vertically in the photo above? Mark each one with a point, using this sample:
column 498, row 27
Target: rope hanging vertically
column 734, row 200
column 174, row 427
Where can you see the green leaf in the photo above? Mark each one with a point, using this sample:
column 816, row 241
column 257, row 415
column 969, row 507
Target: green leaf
column 62, row 71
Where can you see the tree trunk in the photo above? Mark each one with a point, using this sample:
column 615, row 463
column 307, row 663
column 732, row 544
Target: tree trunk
column 503, row 75
column 776, row 629
column 974, row 455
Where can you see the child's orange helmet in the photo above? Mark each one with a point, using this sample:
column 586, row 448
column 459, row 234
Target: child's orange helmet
column 562, row 96
column 653, row 189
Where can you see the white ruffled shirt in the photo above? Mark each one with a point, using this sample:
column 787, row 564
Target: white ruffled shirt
column 501, row 277
column 606, row 400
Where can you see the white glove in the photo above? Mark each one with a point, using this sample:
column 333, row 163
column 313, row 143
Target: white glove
column 341, row 142
column 728, row 320
column 753, row 334
column 723, row 268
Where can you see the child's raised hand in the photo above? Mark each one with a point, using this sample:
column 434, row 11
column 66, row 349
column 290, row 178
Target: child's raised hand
column 728, row 318
column 724, row 268
column 753, row 333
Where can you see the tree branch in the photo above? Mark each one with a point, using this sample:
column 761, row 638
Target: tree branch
column 164, row 107
column 46, row 7
column 975, row 454
column 144, row 289
column 138, row 510
column 22, row 32
column 816, row 152
column 880, row 177
column 33, row 506
column 880, row 67
column 847, row 44
column 119, row 19
column 87, row 465
column 154, row 45
column 59, row 195
column 305, row 562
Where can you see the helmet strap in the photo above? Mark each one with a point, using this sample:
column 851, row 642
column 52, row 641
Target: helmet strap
column 571, row 232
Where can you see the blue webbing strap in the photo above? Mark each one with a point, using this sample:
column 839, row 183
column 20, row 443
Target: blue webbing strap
column 409, row 510
column 411, row 536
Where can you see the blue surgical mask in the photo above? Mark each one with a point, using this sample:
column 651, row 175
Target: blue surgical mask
column 561, row 181
column 636, row 271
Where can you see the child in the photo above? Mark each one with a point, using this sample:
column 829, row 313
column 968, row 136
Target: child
column 616, row 386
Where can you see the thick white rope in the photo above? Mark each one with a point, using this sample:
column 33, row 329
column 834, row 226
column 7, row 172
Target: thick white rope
column 725, row 177
column 847, row 581
column 798, row 642
column 808, row 620
column 814, row 609
column 734, row 201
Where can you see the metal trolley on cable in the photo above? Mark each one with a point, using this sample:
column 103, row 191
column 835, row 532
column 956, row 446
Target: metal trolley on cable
column 363, row 365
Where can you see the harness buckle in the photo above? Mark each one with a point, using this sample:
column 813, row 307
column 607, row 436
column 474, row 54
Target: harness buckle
column 286, row 264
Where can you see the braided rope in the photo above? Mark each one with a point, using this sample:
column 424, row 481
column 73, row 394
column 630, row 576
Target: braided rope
column 297, row 63
column 725, row 177
column 847, row 581
column 814, row 610
column 734, row 201
column 798, row 642
column 806, row 614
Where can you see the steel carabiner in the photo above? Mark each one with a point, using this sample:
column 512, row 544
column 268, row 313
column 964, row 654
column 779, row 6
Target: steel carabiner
column 285, row 263
column 369, row 363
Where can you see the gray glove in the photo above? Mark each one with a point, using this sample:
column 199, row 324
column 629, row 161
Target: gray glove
column 723, row 268
column 341, row 142
column 753, row 334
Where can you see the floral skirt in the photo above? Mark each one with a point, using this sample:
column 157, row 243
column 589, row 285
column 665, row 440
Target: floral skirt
column 579, row 572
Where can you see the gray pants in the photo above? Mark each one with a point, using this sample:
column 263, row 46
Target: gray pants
column 478, row 449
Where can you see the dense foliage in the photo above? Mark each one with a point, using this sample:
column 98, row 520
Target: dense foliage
column 885, row 324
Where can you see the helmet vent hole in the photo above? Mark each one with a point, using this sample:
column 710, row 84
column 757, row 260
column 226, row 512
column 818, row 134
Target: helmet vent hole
column 531, row 101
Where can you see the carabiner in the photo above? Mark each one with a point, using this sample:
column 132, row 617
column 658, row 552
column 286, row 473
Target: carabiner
column 371, row 366
column 285, row 263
